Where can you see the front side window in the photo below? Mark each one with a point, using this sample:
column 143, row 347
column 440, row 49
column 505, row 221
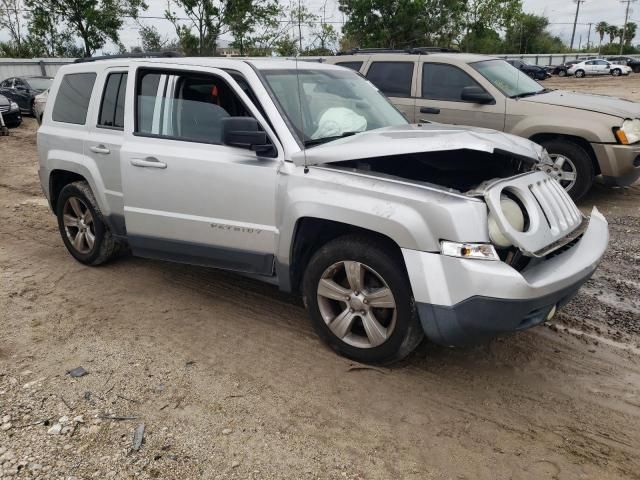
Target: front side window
column 184, row 106
column 444, row 82
column 508, row 79
column 392, row 78
column 72, row 99
column 112, row 106
column 329, row 103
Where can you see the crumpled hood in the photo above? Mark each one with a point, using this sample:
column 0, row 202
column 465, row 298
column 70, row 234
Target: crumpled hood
column 617, row 107
column 406, row 139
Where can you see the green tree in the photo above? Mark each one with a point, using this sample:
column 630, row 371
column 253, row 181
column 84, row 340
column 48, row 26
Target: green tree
column 46, row 36
column 630, row 33
column 12, row 21
column 245, row 18
column 324, row 39
column 94, row 21
column 612, row 31
column 483, row 16
column 206, row 17
column 601, row 30
column 528, row 34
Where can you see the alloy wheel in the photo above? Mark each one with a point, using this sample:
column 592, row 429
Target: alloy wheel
column 79, row 225
column 356, row 304
column 563, row 170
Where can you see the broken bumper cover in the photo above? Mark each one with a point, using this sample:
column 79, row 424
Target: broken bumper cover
column 463, row 301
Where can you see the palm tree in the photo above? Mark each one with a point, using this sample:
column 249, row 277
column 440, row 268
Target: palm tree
column 601, row 29
column 612, row 31
column 630, row 33
column 620, row 34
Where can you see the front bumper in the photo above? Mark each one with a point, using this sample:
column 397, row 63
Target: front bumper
column 12, row 118
column 619, row 164
column 463, row 301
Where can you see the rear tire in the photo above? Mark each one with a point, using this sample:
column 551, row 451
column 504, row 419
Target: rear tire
column 82, row 226
column 348, row 310
column 579, row 161
column 616, row 72
column 562, row 73
column 579, row 73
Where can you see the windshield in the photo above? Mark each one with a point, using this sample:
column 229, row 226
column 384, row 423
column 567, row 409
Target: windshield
column 509, row 80
column 40, row 83
column 335, row 103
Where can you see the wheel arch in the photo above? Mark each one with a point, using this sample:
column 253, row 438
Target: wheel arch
column 542, row 137
column 310, row 234
column 58, row 179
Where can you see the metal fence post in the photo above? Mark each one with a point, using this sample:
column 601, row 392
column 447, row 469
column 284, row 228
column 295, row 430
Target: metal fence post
column 43, row 69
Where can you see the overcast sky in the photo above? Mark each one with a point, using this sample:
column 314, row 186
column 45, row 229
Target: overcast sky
column 560, row 13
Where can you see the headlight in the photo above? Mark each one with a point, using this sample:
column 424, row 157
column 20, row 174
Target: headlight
column 515, row 216
column 14, row 106
column 629, row 132
column 479, row 251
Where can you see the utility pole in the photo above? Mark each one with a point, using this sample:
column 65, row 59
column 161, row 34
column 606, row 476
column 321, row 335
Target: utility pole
column 573, row 35
column 626, row 19
column 589, row 38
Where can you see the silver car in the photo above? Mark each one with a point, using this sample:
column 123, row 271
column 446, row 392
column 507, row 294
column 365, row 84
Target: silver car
column 305, row 176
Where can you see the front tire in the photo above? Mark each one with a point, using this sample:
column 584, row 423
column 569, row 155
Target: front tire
column 616, row 72
column 579, row 73
column 572, row 167
column 82, row 226
column 562, row 73
column 360, row 301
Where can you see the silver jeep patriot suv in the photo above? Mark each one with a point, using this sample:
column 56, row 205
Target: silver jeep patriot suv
column 305, row 176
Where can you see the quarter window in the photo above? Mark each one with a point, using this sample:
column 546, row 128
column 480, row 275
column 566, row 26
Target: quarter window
column 184, row 106
column 72, row 100
column 112, row 106
column 444, row 82
column 392, row 78
column 352, row 65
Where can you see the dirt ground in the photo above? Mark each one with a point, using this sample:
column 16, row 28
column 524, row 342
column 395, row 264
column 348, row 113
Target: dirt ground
column 229, row 380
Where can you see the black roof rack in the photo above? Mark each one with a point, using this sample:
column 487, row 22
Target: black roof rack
column 129, row 55
column 412, row 50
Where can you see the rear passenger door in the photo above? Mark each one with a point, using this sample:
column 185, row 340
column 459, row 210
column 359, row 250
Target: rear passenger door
column 188, row 197
column 106, row 136
column 396, row 80
column 441, row 100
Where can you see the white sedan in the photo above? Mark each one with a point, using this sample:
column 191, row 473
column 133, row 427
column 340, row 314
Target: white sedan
column 597, row 67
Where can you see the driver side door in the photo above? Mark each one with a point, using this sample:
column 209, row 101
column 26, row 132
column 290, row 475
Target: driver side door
column 188, row 197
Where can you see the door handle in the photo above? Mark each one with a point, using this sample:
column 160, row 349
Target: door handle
column 100, row 149
column 149, row 162
column 429, row 110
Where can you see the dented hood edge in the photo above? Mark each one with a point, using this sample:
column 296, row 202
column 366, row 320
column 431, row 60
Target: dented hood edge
column 409, row 139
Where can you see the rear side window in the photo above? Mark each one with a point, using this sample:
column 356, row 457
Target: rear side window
column 352, row 65
column 444, row 82
column 72, row 100
column 392, row 78
column 112, row 106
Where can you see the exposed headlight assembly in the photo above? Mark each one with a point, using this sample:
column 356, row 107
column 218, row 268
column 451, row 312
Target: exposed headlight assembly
column 478, row 251
column 515, row 216
column 14, row 106
column 629, row 132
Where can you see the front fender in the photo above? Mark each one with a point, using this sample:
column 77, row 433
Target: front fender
column 592, row 127
column 414, row 216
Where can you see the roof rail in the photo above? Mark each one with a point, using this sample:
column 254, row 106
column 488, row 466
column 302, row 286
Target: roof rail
column 129, row 55
column 412, row 50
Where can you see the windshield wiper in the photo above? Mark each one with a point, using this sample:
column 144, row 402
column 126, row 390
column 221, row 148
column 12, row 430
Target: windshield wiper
column 318, row 141
column 530, row 94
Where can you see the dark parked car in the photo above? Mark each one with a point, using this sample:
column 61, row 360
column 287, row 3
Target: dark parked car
column 561, row 70
column 634, row 63
column 23, row 90
column 10, row 112
column 534, row 71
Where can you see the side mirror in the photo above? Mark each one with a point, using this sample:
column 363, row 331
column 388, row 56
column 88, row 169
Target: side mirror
column 476, row 95
column 244, row 132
